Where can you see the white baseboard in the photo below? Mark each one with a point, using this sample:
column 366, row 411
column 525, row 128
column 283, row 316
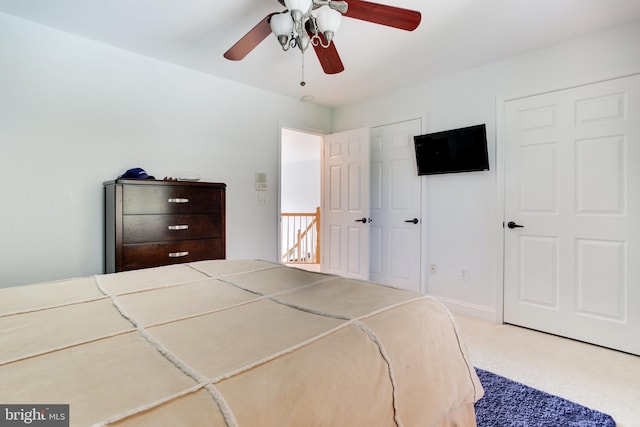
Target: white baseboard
column 472, row 310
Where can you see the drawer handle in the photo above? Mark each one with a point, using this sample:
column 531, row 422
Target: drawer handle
column 178, row 254
column 178, row 200
column 178, row 227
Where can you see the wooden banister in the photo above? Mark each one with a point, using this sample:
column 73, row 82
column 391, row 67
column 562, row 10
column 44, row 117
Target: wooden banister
column 301, row 237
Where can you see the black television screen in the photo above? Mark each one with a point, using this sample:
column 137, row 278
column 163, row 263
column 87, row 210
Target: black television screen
column 450, row 151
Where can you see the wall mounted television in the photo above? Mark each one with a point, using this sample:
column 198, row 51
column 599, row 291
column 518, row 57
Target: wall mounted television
column 451, row 151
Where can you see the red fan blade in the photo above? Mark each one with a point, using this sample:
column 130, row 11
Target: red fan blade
column 250, row 40
column 390, row 16
column 329, row 58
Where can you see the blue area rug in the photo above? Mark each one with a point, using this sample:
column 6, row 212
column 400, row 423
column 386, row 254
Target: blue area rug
column 507, row 403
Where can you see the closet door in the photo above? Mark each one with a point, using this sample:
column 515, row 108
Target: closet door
column 572, row 213
column 395, row 206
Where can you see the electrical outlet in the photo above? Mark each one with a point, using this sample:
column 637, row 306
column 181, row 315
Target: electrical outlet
column 262, row 199
column 464, row 273
column 433, row 268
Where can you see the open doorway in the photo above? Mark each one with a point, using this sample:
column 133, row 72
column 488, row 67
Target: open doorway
column 300, row 197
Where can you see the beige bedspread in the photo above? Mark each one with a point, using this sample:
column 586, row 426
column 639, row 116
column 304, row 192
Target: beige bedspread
column 234, row 343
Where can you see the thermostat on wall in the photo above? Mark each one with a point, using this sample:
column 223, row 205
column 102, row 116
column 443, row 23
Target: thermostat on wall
column 261, row 181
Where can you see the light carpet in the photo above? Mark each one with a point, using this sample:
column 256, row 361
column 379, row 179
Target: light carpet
column 596, row 377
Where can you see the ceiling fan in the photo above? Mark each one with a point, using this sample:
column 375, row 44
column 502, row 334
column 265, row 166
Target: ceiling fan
column 314, row 22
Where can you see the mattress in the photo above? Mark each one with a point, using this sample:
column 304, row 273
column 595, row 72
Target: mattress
column 234, row 343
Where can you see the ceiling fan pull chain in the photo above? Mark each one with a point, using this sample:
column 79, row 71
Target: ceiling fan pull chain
column 302, row 83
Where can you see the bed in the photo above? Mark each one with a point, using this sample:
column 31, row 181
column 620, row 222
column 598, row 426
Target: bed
column 234, row 343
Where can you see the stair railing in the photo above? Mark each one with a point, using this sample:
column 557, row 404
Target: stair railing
column 301, row 237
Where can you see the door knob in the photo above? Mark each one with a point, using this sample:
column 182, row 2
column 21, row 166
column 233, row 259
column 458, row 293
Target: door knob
column 512, row 224
column 363, row 220
column 414, row 220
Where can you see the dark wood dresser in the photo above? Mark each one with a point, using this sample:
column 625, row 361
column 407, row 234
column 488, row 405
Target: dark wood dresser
column 150, row 223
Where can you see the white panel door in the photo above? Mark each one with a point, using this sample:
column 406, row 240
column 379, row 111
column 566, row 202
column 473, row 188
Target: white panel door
column 345, row 211
column 395, row 206
column 572, row 181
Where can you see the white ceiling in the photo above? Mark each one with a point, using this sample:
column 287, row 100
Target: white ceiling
column 454, row 35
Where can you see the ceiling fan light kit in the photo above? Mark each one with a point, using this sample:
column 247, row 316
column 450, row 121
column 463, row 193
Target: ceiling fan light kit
column 303, row 22
column 315, row 22
column 328, row 21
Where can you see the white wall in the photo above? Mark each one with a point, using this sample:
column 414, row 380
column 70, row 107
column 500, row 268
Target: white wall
column 75, row 113
column 300, row 188
column 463, row 218
column 300, row 171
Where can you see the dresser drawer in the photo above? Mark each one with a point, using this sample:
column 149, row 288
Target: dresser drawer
column 150, row 223
column 156, row 254
column 174, row 199
column 160, row 228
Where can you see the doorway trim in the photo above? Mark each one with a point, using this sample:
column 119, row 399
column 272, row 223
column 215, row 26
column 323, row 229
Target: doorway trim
column 296, row 128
